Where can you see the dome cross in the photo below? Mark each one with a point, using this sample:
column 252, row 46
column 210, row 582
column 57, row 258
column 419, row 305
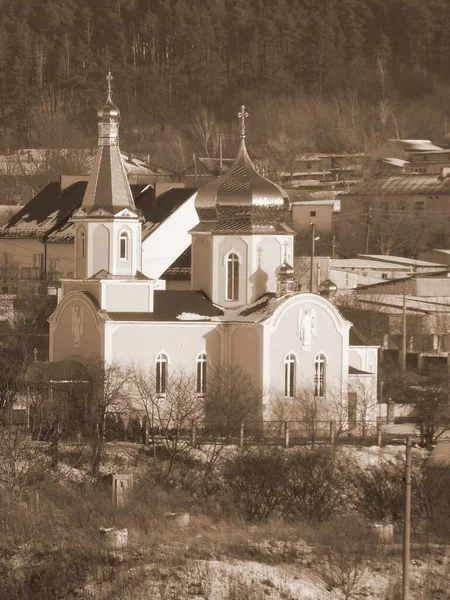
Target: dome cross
column 243, row 114
column 109, row 78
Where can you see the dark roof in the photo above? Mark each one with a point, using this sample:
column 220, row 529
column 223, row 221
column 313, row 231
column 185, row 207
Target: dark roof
column 170, row 304
column 48, row 213
column 401, row 184
column 46, row 210
column 180, row 269
column 355, row 371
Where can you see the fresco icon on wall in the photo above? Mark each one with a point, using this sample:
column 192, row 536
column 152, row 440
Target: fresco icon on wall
column 77, row 325
column 307, row 327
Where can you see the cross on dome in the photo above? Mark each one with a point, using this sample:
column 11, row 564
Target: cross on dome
column 109, row 78
column 243, row 114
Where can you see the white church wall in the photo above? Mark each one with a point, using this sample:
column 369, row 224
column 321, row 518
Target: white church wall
column 140, row 343
column 202, row 263
column 127, row 296
column 222, row 247
column 326, row 334
column 266, row 253
column 169, row 240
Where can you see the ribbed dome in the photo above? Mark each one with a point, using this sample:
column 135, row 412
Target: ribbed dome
column 284, row 271
column 242, row 195
column 327, row 286
column 109, row 110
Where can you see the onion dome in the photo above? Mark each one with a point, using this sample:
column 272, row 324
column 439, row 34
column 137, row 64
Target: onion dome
column 284, row 272
column 241, row 195
column 327, row 288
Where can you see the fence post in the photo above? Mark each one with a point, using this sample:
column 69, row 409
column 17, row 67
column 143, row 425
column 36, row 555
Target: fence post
column 286, row 434
column 193, row 434
column 241, row 436
column 379, row 432
column 332, row 431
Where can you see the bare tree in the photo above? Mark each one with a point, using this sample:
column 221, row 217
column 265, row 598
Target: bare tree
column 204, row 129
column 232, row 398
column 171, row 415
column 108, row 392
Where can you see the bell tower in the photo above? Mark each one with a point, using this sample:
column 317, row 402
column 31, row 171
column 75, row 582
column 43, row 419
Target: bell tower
column 107, row 225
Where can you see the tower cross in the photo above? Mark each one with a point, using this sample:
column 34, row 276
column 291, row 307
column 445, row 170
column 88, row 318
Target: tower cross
column 109, row 78
column 243, row 114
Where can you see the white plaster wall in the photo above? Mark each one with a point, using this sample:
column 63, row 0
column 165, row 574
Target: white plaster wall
column 266, row 253
column 140, row 343
column 202, row 261
column 128, row 296
column 21, row 251
column 222, row 245
column 170, row 240
column 92, row 287
column 103, row 248
column 282, row 338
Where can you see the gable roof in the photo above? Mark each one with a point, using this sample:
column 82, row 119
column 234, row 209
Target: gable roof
column 48, row 214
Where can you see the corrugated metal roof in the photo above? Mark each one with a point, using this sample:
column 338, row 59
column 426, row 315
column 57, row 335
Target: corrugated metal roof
column 401, row 184
column 387, row 258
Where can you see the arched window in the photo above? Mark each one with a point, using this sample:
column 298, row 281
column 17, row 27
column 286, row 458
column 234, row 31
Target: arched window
column 201, row 374
column 161, row 373
column 290, row 363
column 232, row 275
column 123, row 245
column 82, row 244
column 319, row 375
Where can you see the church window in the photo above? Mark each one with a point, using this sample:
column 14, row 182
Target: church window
column 82, row 244
column 201, row 374
column 319, row 375
column 123, row 243
column 289, row 376
column 232, row 266
column 161, row 373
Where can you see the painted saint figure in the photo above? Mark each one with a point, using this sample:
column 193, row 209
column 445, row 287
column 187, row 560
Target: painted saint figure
column 307, row 328
column 77, row 325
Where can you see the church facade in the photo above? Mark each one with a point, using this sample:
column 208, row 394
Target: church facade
column 243, row 309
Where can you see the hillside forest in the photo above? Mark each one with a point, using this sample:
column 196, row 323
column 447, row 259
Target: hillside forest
column 328, row 75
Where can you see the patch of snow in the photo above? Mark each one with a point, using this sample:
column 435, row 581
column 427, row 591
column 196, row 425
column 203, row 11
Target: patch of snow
column 185, row 316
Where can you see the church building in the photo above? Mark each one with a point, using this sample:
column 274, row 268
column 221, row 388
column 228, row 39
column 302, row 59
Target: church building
column 243, row 307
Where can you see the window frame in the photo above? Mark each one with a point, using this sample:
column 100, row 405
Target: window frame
column 83, row 244
column 320, row 375
column 290, row 374
column 161, row 369
column 201, row 373
column 124, row 237
column 232, row 273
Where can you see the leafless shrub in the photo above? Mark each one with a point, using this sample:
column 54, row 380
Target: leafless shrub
column 256, row 476
column 316, row 484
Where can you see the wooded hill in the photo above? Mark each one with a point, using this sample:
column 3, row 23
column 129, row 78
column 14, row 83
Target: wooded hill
column 366, row 61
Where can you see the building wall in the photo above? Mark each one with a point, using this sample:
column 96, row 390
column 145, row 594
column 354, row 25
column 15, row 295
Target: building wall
column 330, row 339
column 202, row 261
column 302, row 217
column 181, row 342
column 170, row 240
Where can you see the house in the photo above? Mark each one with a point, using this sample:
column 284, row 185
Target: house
column 37, row 243
column 242, row 309
column 411, row 156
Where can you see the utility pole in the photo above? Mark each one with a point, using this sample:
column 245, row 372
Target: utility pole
column 369, row 218
column 221, row 152
column 407, row 522
column 403, row 358
column 313, row 249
